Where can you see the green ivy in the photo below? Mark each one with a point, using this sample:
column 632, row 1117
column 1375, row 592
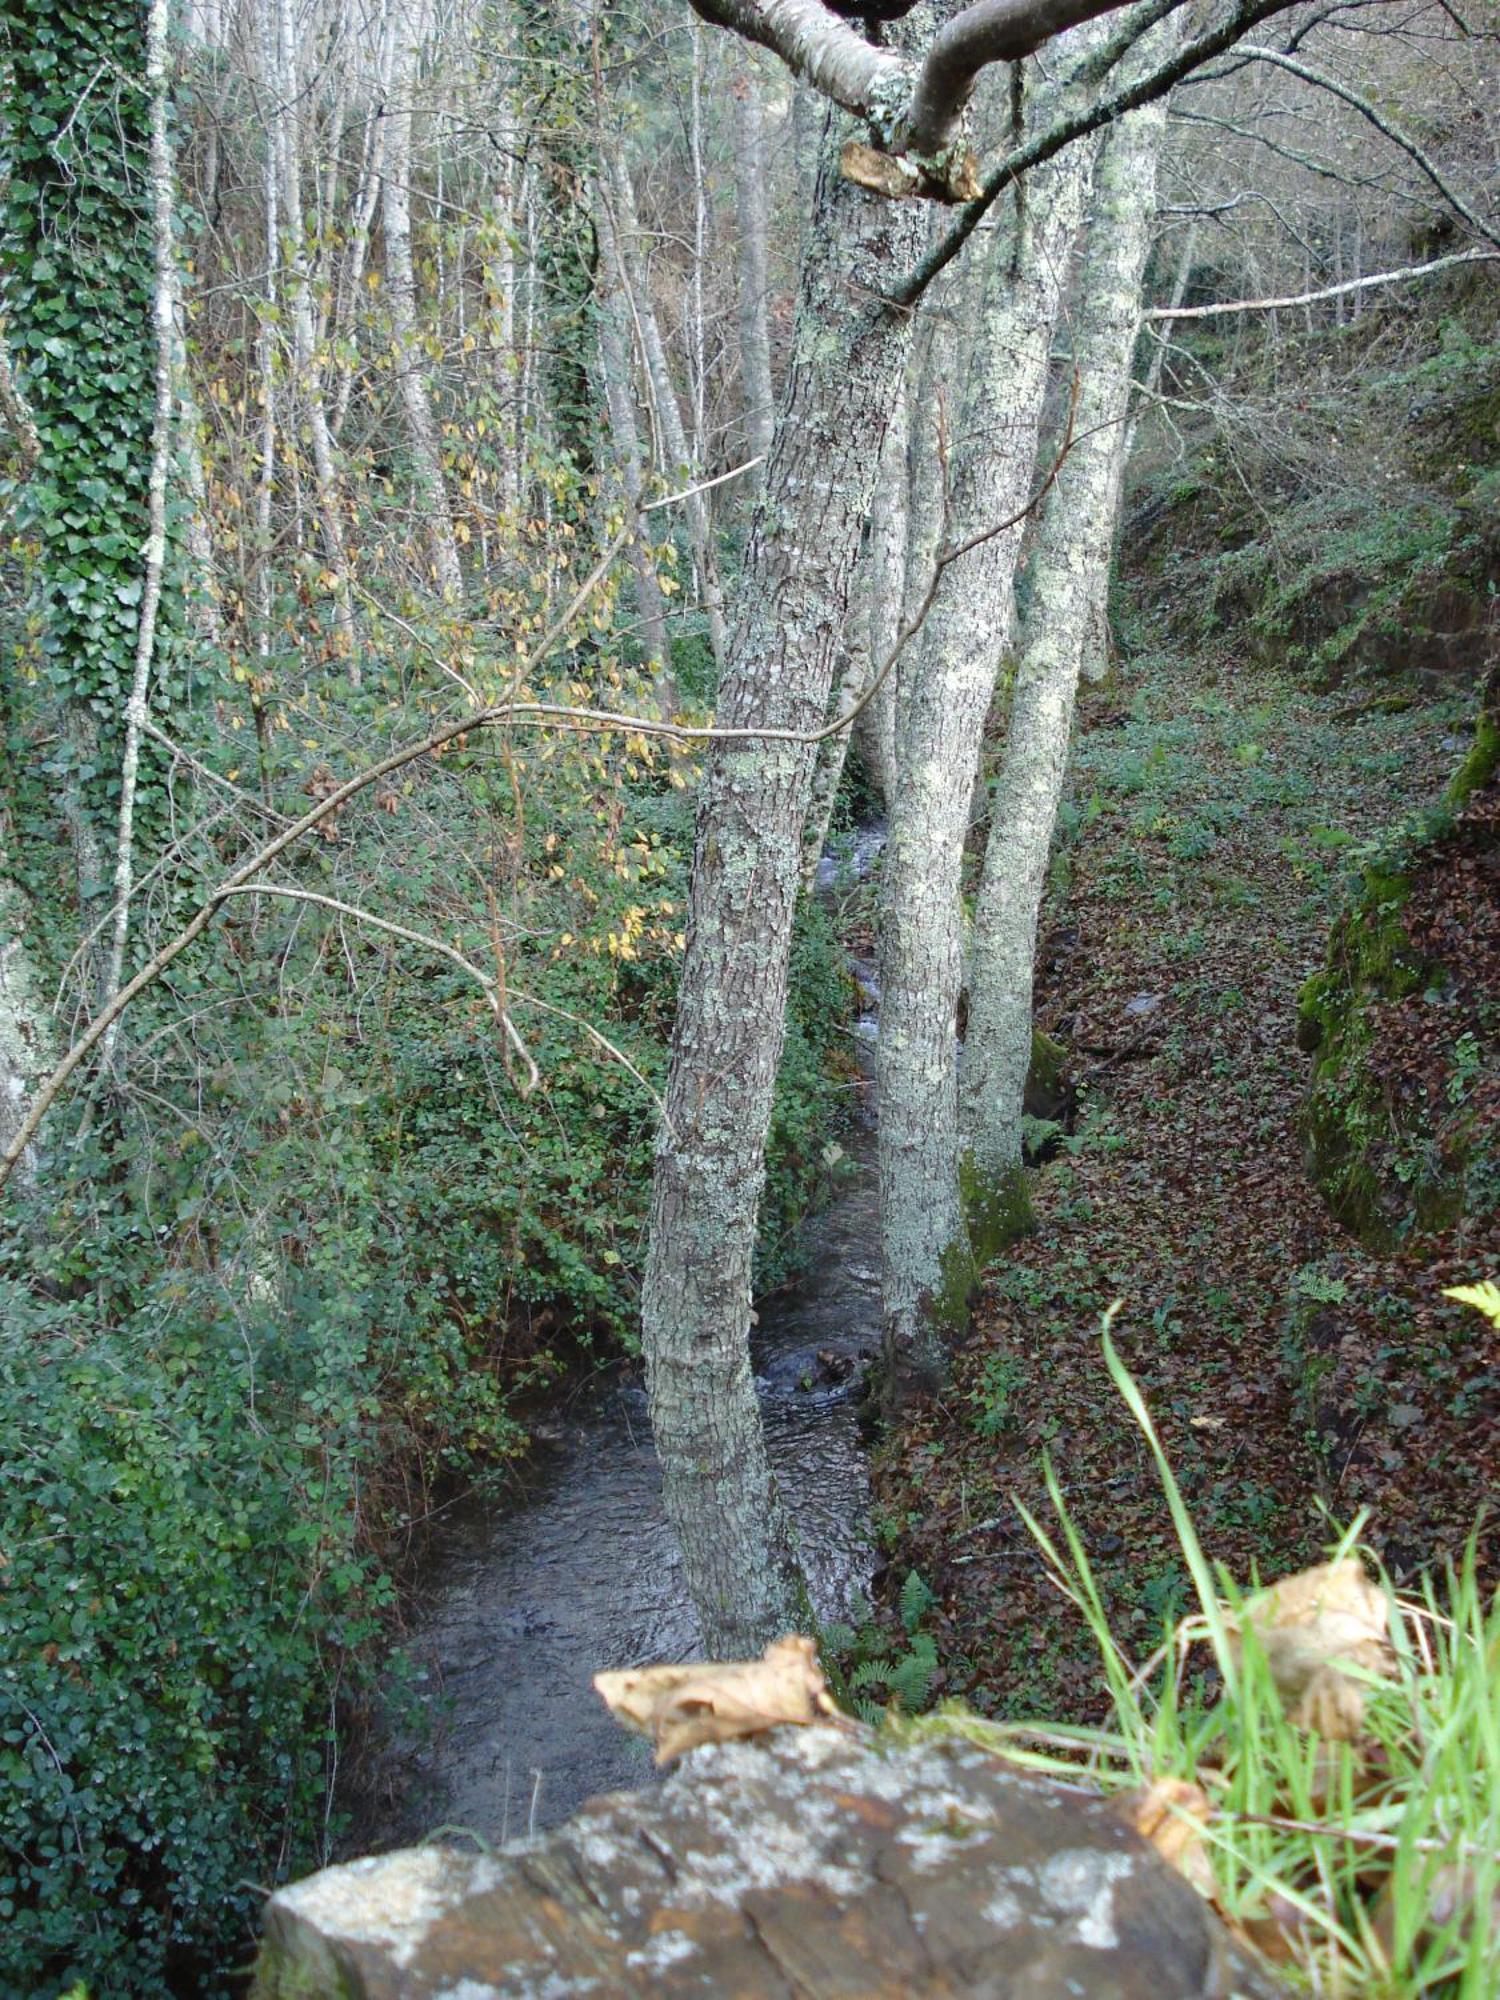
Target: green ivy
column 75, row 286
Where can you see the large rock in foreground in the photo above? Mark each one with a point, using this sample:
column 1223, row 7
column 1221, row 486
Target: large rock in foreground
column 808, row 1863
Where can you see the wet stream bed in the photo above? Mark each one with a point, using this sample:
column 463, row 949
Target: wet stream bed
column 523, row 1599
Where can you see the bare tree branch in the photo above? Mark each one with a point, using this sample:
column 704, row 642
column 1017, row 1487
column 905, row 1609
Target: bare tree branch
column 1328, row 291
column 512, row 713
column 422, row 939
column 1386, row 126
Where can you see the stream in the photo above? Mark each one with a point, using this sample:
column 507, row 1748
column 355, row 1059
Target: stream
column 524, row 1598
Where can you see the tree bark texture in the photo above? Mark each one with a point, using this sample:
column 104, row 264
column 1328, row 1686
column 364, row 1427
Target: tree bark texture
column 1068, row 578
column 395, row 221
column 847, row 358
column 928, row 1266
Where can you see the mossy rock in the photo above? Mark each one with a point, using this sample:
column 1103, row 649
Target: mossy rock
column 1397, row 1162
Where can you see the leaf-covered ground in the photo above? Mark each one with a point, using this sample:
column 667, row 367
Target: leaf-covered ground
column 1214, row 818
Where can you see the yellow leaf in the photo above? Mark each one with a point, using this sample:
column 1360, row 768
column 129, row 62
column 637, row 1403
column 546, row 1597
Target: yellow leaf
column 1483, row 1297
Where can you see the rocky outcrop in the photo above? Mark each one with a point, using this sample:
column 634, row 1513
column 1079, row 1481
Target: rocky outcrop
column 811, row 1863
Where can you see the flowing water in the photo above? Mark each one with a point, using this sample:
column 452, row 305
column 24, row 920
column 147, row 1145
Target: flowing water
column 523, row 1600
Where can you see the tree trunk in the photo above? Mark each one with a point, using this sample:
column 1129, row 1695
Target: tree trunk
column 286, row 138
column 395, row 220
column 619, row 401
column 710, row 1165
column 674, row 438
column 750, row 199
column 928, row 1264
column 1069, row 573
column 27, row 1041
column 885, row 586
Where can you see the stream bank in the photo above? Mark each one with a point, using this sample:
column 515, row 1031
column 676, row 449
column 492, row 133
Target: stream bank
column 1214, row 811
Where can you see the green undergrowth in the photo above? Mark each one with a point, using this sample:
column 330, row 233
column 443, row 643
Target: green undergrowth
column 1352, row 534
column 1365, row 1865
column 330, row 1258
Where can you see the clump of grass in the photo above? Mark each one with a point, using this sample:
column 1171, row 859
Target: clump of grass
column 1369, row 1869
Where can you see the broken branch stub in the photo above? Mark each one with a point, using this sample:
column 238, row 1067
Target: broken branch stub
column 953, row 176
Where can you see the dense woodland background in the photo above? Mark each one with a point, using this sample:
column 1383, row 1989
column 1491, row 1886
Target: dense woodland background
column 389, row 372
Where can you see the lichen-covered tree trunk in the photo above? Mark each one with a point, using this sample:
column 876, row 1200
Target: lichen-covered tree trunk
column 27, row 1039
column 848, row 353
column 871, row 633
column 927, row 1262
column 1068, row 576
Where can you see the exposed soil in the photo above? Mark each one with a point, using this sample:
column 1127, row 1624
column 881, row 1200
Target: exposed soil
column 1215, row 812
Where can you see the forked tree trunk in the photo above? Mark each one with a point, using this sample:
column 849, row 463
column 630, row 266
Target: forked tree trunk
column 710, row 1164
column 1069, row 576
column 928, row 1263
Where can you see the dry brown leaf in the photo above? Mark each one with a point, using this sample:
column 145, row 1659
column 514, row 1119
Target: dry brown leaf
column 717, row 1701
column 1280, row 1933
column 1312, row 1625
column 1172, row 1814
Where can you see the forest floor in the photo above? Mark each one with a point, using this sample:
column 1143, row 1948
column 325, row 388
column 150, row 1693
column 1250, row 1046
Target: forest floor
column 1214, row 812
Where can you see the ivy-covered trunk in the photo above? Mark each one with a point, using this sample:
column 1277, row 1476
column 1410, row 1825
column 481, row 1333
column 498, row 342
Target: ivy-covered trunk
column 1069, row 576
column 848, row 353
column 927, row 1261
column 77, row 285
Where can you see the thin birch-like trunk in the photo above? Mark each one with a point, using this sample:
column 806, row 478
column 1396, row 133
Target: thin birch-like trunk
column 619, row 402
column 349, row 295
column 1069, row 573
column 164, row 328
column 751, row 205
column 395, row 220
column 710, row 1162
column 27, row 1037
column 928, row 1262
column 680, row 460
column 309, row 369
column 264, row 582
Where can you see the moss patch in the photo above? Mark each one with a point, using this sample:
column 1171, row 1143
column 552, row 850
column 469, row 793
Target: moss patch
column 1402, row 1023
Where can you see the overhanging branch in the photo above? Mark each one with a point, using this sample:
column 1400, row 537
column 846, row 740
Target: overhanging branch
column 1155, row 83
column 914, row 108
